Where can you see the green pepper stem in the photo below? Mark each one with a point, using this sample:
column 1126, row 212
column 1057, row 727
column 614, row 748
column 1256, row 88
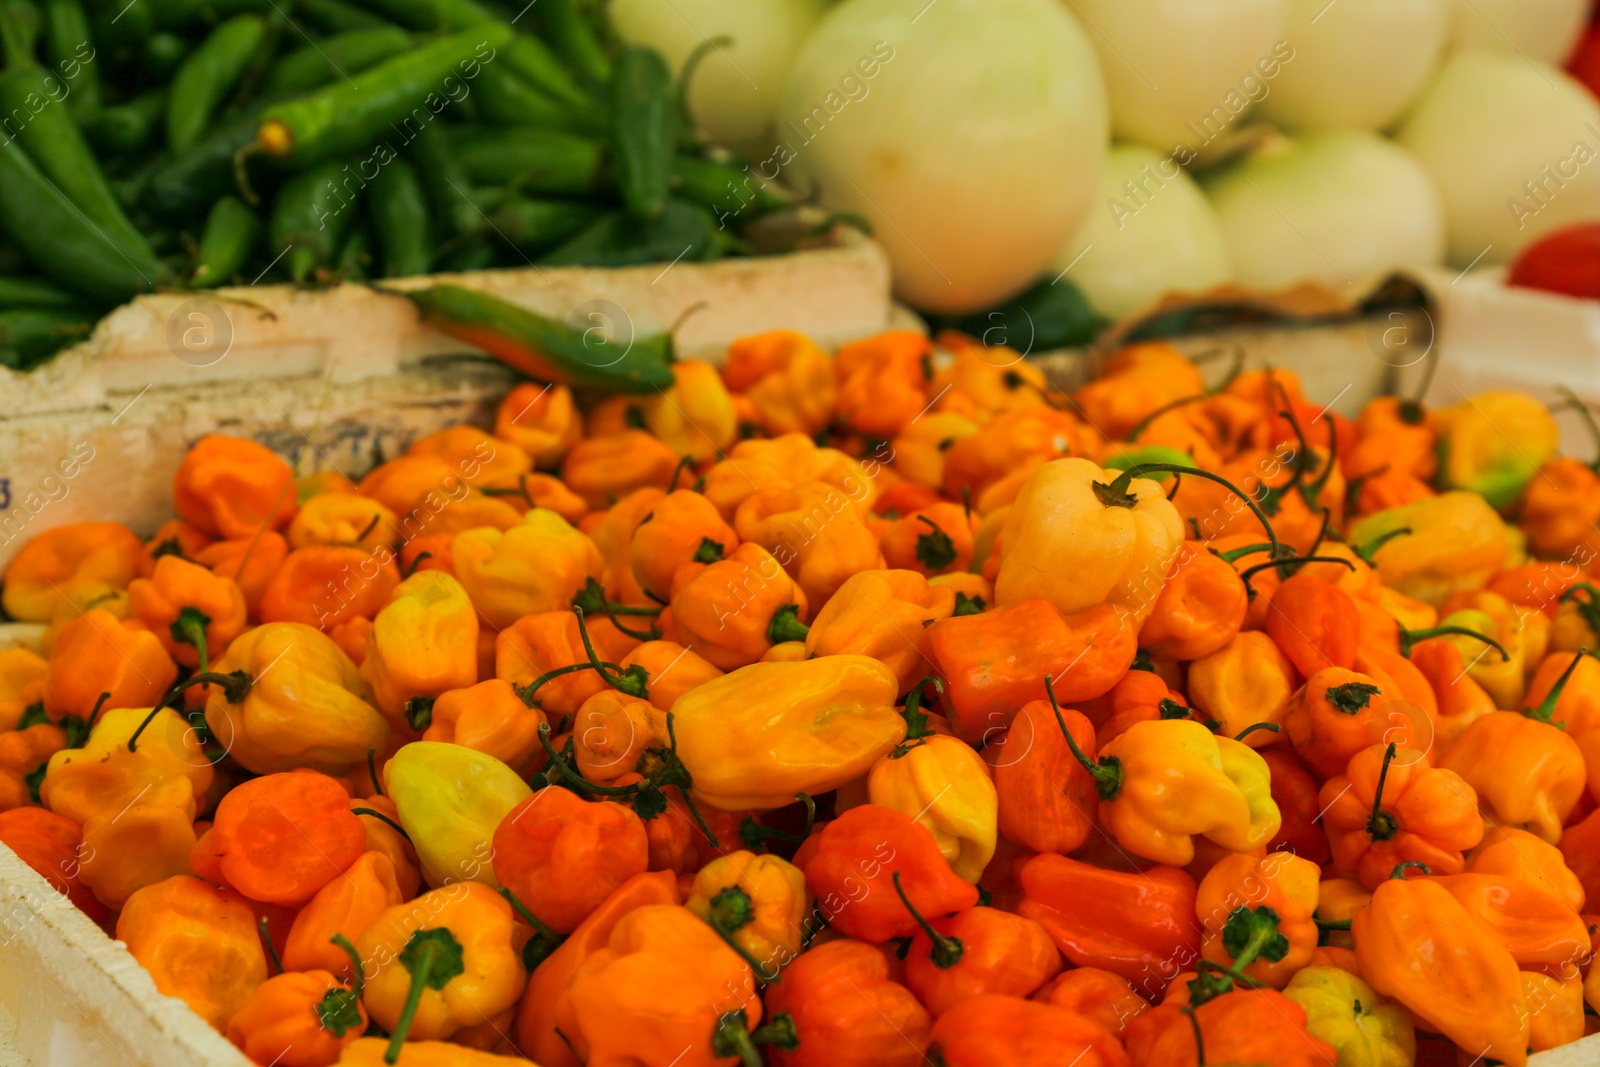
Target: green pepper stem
column 372, row 770
column 947, row 951
column 786, row 625
column 235, row 685
column 1199, row 1038
column 527, row 915
column 1381, row 826
column 416, row 561
column 1270, row 727
column 1400, row 869
column 563, row 771
column 357, row 968
column 731, row 1037
column 266, row 942
column 190, row 628
column 1118, row 491
column 1291, row 561
column 1370, row 549
column 1233, row 555
column 634, row 680
column 419, row 980
column 1546, row 711
column 1172, row 405
column 527, row 691
column 396, row 827
column 1409, row 638
column 94, row 712
column 1107, row 773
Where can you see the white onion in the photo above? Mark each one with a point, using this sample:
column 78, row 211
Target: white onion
column 1182, row 71
column 1545, row 30
column 975, row 148
column 1336, row 207
column 1160, row 236
column 1357, row 63
column 735, row 89
column 1513, row 146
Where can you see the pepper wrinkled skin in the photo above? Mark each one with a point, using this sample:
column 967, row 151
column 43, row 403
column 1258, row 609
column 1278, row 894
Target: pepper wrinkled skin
column 683, row 527
column 1330, row 718
column 450, row 801
column 654, row 992
column 1418, row 945
column 787, row 379
column 490, row 718
column 563, row 855
column 729, row 612
column 307, row 705
column 99, row 653
column 1139, row 925
column 73, row 564
column 1365, row 1029
column 372, row 1052
column 1527, row 773
column 1248, row 1026
column 491, row 980
column 991, row 1029
column 538, row 565
column 851, row 866
column 847, row 1010
column 1246, row 681
column 1427, row 815
column 1063, row 541
column 1540, row 931
column 815, row 531
column 342, row 519
column 1179, row 781
column 756, row 737
column 198, row 942
column 231, row 487
column 1456, row 542
column 1200, row 608
column 542, row 420
column 1100, row 995
column 1046, row 800
column 424, row 642
column 996, row 661
column 1002, row 952
column 345, row 905
column 178, row 591
column 1283, row 882
column 1526, row 857
column 945, row 785
column 884, row 614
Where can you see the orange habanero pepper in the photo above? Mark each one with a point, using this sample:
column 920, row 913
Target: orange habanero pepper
column 846, row 1010
column 563, row 856
column 231, row 487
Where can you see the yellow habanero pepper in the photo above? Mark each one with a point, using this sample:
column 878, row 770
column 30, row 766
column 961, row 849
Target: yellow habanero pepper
column 1172, row 780
column 1368, row 1030
column 788, row 380
column 450, row 799
column 919, row 448
column 695, row 416
column 1493, row 443
column 440, row 963
column 885, row 615
column 134, row 787
column 757, row 904
column 817, row 533
column 22, row 678
column 75, row 564
column 306, row 704
column 343, row 519
column 1246, row 682
column 1081, row 536
column 1457, row 542
column 538, row 565
column 424, row 643
column 1522, row 632
column 754, row 738
column 784, row 462
column 944, row 784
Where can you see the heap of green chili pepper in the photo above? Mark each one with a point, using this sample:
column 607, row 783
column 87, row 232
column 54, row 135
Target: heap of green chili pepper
column 167, row 144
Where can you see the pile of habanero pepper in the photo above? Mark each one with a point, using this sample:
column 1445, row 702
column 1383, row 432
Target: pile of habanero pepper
column 877, row 708
column 198, row 143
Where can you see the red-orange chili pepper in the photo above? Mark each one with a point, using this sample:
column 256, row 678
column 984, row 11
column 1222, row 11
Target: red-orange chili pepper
column 281, row 837
column 847, row 1011
column 981, row 950
column 991, row 1029
column 563, row 856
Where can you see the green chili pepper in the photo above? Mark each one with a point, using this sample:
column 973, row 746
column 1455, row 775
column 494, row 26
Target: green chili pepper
column 535, row 160
column 567, row 27
column 533, row 61
column 644, row 130
column 206, row 76
column 184, row 14
column 320, row 64
column 534, row 225
column 399, row 211
column 432, row 15
column 474, row 252
column 69, row 48
column 26, row 21
column 32, row 293
column 543, row 348
column 310, row 216
column 29, row 336
column 450, row 191
column 734, row 193
column 182, row 188
column 504, row 98
column 126, row 129
column 336, row 16
column 683, row 232
column 348, row 116
column 232, row 233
